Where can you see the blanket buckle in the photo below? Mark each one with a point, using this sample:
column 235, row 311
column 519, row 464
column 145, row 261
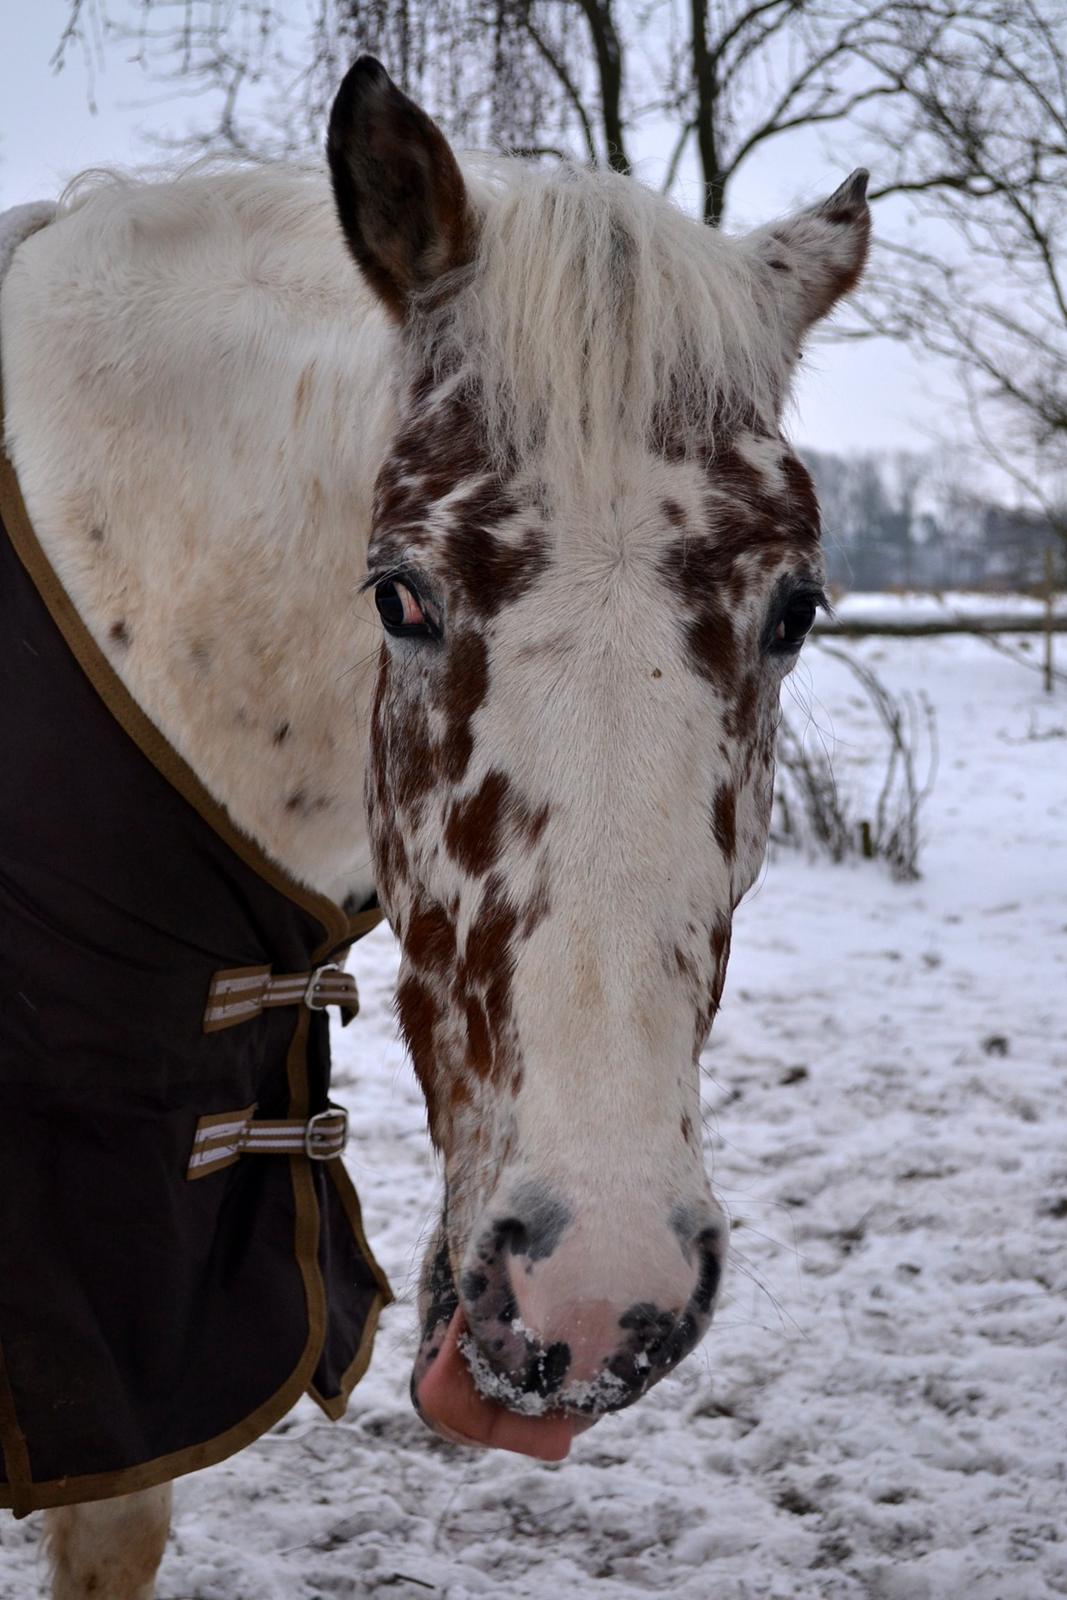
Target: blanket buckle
column 313, row 983
column 326, row 1134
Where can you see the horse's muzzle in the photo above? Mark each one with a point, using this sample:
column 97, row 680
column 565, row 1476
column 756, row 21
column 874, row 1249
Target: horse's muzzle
column 541, row 1330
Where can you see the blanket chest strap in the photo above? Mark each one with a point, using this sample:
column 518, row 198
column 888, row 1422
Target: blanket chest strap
column 241, row 993
column 222, row 1138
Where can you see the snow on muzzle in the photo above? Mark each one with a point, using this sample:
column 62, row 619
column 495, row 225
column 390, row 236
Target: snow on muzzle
column 562, row 1317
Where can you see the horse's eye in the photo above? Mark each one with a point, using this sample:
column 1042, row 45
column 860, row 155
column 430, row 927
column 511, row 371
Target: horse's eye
column 795, row 622
column 402, row 611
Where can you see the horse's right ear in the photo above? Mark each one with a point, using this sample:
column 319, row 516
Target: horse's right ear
column 400, row 194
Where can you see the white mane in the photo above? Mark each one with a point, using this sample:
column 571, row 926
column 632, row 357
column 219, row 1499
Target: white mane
column 592, row 304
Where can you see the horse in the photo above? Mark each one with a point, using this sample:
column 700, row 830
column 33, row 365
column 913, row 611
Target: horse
column 438, row 514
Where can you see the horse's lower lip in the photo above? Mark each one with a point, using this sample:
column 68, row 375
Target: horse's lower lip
column 451, row 1405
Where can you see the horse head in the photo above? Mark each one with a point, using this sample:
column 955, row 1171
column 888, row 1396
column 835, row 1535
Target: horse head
column 595, row 560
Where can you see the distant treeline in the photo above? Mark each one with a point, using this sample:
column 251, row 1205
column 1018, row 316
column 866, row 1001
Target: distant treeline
column 904, row 520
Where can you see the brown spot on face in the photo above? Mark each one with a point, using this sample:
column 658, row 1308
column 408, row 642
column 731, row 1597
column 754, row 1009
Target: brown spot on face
column 430, row 941
column 491, row 573
column 488, row 950
column 432, row 454
column 391, row 862
column 487, row 965
column 694, row 571
column 803, row 519
column 280, row 734
column 464, row 688
column 499, row 1017
column 479, row 1056
column 720, row 955
column 474, row 824
column 301, row 804
column 200, row 654
column 684, row 965
column 418, row 1013
column 712, row 645
column 459, row 1093
column 725, row 820
column 302, row 397
column 119, row 633
column 753, row 525
column 656, row 673
column 534, row 823
column 411, row 768
column 537, row 909
column 673, row 513
column 740, row 717
column 96, row 533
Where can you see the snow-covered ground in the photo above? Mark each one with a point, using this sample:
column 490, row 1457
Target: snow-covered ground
column 924, row 606
column 880, row 1410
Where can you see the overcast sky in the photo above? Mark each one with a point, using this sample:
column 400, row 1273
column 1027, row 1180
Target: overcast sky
column 849, row 397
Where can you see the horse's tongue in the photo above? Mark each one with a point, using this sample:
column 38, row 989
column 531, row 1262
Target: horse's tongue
column 453, row 1407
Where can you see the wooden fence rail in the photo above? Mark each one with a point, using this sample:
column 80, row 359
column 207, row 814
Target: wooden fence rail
column 919, row 627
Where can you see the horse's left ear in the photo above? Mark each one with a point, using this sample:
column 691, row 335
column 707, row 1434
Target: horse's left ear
column 400, row 194
column 817, row 256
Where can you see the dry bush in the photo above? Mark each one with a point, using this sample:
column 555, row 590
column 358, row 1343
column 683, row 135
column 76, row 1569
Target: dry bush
column 813, row 813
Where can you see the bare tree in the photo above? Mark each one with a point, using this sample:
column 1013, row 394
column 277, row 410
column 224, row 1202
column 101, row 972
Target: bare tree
column 579, row 77
column 959, row 105
column 982, row 153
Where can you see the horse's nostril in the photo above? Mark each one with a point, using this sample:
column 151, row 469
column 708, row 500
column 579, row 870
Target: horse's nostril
column 650, row 1329
column 511, row 1234
column 711, row 1247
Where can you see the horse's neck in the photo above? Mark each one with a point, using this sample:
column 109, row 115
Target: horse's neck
column 197, row 397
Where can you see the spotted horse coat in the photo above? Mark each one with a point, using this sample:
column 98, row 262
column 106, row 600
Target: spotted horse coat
column 149, row 1325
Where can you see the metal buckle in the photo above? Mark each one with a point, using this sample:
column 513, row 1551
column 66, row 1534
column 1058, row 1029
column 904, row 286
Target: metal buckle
column 324, row 1128
column 313, row 981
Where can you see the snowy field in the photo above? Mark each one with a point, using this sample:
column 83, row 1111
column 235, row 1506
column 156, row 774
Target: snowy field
column 880, row 1409
column 916, row 606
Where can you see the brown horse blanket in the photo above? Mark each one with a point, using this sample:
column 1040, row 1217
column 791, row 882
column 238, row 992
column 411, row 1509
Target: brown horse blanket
column 149, row 1324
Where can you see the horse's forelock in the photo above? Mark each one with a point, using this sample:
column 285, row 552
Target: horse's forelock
column 596, row 317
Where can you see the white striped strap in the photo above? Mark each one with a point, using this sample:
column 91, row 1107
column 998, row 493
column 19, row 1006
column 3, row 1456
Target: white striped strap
column 221, row 1139
column 243, row 992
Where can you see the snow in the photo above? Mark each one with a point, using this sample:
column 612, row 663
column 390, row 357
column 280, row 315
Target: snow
column 926, row 606
column 880, row 1409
